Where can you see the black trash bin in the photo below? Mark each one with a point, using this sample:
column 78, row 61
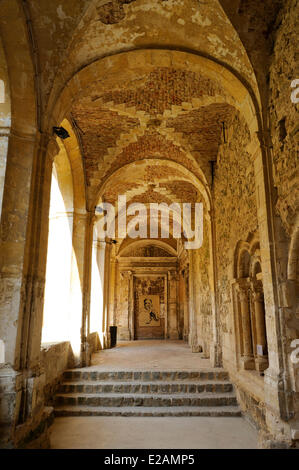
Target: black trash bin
column 113, row 336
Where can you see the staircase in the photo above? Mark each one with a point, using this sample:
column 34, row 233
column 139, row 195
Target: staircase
column 146, row 393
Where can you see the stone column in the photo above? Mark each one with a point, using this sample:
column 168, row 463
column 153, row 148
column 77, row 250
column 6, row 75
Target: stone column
column 261, row 338
column 106, row 295
column 24, row 234
column 172, row 306
column 186, row 304
column 277, row 380
column 101, row 255
column 131, row 326
column 247, row 354
column 97, row 288
column 126, row 327
column 4, row 134
column 216, row 344
column 86, row 290
column 193, row 339
column 111, row 290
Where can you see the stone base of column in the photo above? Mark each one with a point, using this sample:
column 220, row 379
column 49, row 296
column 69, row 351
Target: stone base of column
column 106, row 340
column 261, row 363
column 173, row 334
column 123, row 334
column 248, row 363
column 268, row 441
column 193, row 343
column 186, row 337
column 85, row 358
column 215, row 355
column 196, row 348
column 23, row 396
column 34, row 433
column 10, row 399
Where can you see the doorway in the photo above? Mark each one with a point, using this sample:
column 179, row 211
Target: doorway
column 149, row 307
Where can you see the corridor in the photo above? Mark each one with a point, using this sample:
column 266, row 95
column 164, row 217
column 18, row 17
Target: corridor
column 149, row 184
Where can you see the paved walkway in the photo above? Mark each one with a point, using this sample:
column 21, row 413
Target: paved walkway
column 152, row 433
column 149, row 355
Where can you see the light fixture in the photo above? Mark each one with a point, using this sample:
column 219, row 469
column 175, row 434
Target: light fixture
column 111, row 242
column 61, row 132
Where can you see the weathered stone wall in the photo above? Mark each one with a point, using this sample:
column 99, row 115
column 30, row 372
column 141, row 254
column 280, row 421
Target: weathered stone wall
column 284, row 127
column 236, row 218
column 55, row 359
column 204, row 314
column 252, row 407
column 283, row 115
column 235, row 209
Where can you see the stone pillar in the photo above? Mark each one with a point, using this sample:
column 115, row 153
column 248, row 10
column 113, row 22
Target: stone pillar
column 216, row 344
column 101, row 256
column 172, row 306
column 106, row 295
column 261, row 338
column 277, row 380
column 86, row 289
column 24, row 235
column 126, row 329
column 112, row 282
column 193, row 339
column 131, row 325
column 96, row 299
column 4, row 134
column 186, row 304
column 247, row 353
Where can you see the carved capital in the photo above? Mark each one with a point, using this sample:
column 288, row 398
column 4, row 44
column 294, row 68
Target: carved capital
column 242, row 288
column 172, row 275
column 126, row 275
column 258, row 296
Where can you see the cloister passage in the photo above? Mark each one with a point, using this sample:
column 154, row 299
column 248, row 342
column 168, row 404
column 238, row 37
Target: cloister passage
column 148, row 183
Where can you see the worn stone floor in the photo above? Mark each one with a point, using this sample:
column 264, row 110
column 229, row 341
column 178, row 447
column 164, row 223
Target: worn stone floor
column 152, row 433
column 149, row 355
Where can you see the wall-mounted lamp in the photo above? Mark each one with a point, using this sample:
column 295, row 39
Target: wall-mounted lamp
column 61, row 132
column 111, row 242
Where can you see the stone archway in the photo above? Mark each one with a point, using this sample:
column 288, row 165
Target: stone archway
column 196, row 104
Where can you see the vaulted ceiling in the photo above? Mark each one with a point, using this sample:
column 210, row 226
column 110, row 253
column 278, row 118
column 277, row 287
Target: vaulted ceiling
column 164, row 113
column 151, row 116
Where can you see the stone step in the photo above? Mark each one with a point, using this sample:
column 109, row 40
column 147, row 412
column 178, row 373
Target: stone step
column 177, row 411
column 142, row 387
column 146, row 400
column 146, row 376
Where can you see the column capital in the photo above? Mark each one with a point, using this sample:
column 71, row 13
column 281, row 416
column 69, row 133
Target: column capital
column 242, row 287
column 172, row 275
column 126, row 275
column 258, row 296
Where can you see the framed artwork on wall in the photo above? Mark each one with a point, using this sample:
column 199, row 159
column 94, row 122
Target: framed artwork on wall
column 149, row 310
